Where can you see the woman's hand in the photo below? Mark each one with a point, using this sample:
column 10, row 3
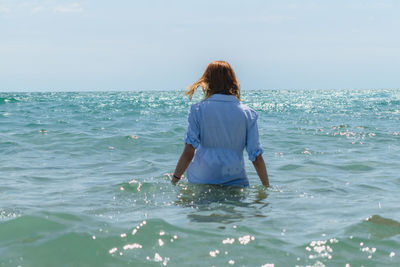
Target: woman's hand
column 259, row 165
column 183, row 163
column 174, row 180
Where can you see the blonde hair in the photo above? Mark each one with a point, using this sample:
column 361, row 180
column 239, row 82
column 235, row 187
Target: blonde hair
column 218, row 78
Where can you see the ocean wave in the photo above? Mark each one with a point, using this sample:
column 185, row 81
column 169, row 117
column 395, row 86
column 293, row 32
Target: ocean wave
column 81, row 171
column 6, row 100
column 365, row 243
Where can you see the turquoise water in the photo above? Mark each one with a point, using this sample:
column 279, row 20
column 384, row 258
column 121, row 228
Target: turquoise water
column 84, row 182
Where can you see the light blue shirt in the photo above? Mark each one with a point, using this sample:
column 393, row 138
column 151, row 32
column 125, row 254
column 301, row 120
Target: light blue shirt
column 219, row 128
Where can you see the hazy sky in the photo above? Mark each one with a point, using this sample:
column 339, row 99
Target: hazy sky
column 149, row 44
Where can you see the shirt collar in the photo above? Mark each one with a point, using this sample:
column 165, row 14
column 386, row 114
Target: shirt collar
column 221, row 97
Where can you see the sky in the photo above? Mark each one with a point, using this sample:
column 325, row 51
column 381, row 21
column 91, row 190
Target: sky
column 62, row 45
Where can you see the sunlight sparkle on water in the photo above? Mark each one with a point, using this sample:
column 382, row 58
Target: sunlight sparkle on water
column 228, row 241
column 214, row 253
column 322, row 248
column 158, row 258
column 132, row 246
column 113, row 250
column 244, row 240
column 136, row 229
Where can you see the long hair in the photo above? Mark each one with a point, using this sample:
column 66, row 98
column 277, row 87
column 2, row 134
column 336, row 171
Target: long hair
column 218, row 78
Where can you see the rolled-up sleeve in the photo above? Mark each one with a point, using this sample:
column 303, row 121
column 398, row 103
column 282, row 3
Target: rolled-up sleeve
column 192, row 135
column 253, row 146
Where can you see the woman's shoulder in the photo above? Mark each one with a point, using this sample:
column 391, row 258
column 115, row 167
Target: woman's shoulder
column 250, row 113
column 195, row 106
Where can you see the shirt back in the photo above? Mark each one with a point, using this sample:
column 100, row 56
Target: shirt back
column 220, row 127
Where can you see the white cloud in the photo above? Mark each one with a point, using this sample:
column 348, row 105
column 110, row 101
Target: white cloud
column 4, row 9
column 37, row 9
column 371, row 5
column 73, row 8
column 276, row 18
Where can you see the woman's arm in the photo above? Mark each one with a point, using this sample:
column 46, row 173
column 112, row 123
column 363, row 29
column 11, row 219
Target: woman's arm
column 259, row 165
column 183, row 163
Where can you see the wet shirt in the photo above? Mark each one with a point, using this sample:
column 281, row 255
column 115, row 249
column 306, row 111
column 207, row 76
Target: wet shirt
column 220, row 128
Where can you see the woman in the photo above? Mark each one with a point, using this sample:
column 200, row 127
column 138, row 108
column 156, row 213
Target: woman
column 219, row 129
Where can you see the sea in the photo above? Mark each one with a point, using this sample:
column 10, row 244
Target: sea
column 85, row 181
